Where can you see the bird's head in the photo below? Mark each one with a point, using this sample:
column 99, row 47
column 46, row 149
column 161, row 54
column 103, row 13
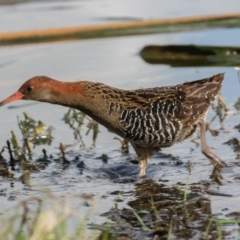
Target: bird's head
column 36, row 88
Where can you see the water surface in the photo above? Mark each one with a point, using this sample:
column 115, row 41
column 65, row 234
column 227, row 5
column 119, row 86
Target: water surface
column 116, row 62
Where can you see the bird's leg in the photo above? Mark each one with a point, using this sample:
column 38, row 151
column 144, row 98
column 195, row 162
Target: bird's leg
column 214, row 159
column 144, row 155
column 143, row 165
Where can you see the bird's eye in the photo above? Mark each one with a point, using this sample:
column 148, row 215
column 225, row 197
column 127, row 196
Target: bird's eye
column 29, row 88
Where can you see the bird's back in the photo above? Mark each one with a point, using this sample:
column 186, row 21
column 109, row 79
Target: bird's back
column 159, row 117
column 153, row 117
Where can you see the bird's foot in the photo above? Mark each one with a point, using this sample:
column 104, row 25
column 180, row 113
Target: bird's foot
column 142, row 174
column 142, row 177
column 216, row 175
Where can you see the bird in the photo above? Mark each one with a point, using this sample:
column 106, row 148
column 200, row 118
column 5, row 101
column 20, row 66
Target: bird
column 149, row 119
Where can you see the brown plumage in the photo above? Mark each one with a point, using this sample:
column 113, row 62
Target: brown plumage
column 149, row 119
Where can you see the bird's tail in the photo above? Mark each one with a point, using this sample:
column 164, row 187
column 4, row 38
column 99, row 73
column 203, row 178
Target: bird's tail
column 214, row 79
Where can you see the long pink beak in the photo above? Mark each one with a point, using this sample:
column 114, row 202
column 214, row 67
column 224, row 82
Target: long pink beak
column 16, row 96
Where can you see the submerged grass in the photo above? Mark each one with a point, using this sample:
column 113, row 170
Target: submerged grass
column 44, row 219
column 166, row 212
column 158, row 212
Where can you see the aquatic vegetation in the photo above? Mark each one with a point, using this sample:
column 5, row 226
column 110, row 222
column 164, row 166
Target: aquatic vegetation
column 35, row 131
column 48, row 219
column 160, row 211
column 191, row 55
column 75, row 119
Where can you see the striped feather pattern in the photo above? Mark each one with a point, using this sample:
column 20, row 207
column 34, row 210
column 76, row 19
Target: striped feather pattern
column 161, row 116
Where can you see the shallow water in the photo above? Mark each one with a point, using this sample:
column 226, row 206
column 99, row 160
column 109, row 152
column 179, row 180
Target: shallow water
column 116, row 62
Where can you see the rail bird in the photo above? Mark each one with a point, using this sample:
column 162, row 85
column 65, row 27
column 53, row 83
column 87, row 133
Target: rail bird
column 150, row 119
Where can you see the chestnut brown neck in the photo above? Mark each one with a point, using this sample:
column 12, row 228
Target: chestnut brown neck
column 82, row 96
column 69, row 94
